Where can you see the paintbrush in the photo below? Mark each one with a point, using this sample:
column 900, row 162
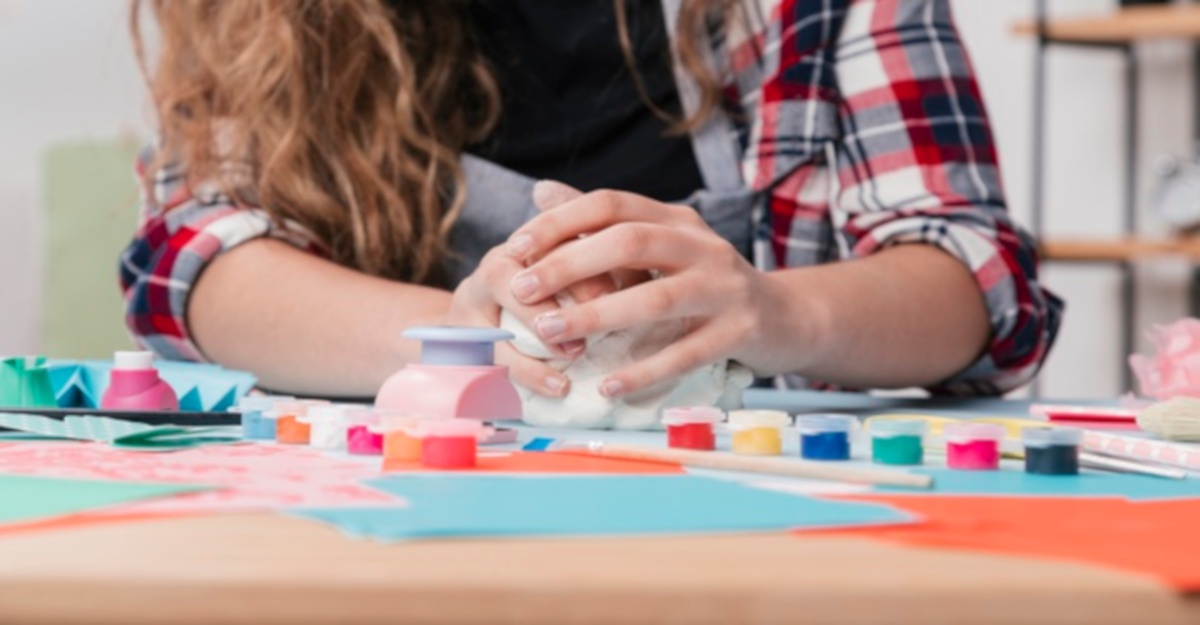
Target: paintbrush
column 1177, row 419
column 733, row 462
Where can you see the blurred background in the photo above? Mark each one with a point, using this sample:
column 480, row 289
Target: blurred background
column 1117, row 96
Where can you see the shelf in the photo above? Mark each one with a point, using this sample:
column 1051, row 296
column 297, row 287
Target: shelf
column 1118, row 250
column 1123, row 26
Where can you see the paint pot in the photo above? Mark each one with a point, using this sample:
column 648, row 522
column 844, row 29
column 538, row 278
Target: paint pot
column 973, row 446
column 256, row 426
column 288, row 427
column 1052, row 451
column 360, row 440
column 400, row 443
column 692, row 428
column 134, row 384
column 450, row 443
column 327, row 426
column 898, row 441
column 825, row 436
column 757, row 432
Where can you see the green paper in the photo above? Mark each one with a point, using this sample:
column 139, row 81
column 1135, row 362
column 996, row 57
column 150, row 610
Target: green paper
column 24, row 499
column 90, row 198
column 128, row 435
column 25, row 383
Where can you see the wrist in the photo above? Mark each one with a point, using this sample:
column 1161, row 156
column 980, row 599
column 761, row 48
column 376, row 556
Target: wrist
column 795, row 325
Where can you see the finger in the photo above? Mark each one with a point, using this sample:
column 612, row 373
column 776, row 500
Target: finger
column 669, row 298
column 704, row 346
column 498, row 294
column 592, row 288
column 623, row 246
column 592, row 213
column 532, row 373
column 625, row 278
column 550, row 194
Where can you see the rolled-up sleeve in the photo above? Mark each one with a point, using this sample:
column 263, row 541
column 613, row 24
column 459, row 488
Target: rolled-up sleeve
column 180, row 231
column 917, row 164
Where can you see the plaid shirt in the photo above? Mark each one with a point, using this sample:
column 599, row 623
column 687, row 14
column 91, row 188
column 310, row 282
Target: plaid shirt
column 860, row 126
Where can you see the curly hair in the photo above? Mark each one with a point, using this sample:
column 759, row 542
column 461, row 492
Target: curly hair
column 350, row 115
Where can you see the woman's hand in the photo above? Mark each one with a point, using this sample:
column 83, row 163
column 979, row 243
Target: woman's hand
column 704, row 280
column 479, row 299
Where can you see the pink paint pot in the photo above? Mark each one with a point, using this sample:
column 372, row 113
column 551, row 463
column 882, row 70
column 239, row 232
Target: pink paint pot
column 973, row 446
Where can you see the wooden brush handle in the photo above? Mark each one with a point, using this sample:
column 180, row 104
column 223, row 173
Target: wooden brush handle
column 767, row 466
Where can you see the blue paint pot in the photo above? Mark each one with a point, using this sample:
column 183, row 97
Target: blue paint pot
column 255, row 426
column 825, row 436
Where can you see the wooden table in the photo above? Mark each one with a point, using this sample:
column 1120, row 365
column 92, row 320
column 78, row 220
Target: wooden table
column 266, row 569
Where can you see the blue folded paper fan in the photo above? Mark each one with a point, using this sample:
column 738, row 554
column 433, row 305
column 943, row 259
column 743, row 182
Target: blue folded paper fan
column 79, row 384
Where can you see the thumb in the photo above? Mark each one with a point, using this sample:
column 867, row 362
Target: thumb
column 549, row 194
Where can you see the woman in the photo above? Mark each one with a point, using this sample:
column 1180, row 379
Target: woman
column 332, row 172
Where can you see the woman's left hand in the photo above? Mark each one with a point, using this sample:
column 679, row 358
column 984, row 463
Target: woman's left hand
column 704, row 280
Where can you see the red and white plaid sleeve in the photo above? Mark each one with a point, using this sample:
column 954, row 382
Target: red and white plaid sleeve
column 181, row 230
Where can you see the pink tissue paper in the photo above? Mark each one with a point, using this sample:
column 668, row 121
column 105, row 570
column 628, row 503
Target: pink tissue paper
column 1174, row 369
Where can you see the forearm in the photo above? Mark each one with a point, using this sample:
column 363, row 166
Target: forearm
column 911, row 315
column 305, row 325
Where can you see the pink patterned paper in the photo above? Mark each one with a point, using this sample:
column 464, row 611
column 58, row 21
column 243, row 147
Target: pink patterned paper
column 1174, row 454
column 254, row 477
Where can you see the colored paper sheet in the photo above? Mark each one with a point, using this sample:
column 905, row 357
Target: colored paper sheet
column 1018, row 483
column 25, row 499
column 452, row 505
column 121, row 433
column 1156, row 538
column 254, row 477
column 549, row 463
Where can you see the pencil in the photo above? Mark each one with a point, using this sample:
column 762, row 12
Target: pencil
column 756, row 464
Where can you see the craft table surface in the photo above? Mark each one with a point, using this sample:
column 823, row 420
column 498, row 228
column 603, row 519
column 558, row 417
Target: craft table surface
column 270, row 569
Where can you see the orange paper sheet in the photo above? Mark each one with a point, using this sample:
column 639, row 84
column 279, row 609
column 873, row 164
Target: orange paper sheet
column 1155, row 538
column 552, row 462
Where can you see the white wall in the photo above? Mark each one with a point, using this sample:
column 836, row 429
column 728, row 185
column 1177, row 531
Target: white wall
column 66, row 73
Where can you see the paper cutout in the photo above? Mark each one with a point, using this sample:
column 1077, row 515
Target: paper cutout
column 125, row 434
column 25, row 499
column 200, row 387
column 1152, row 538
column 1015, row 482
column 255, row 477
column 453, row 505
column 26, row 383
column 552, row 463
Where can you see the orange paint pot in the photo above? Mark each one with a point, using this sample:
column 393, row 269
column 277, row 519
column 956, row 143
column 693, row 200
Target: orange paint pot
column 399, row 446
column 289, row 430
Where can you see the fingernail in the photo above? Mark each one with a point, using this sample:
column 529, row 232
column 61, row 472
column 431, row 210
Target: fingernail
column 611, row 388
column 556, row 384
column 550, row 325
column 524, row 285
column 574, row 348
column 520, row 245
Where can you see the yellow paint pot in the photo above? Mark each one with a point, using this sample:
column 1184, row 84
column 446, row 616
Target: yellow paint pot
column 757, row 432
